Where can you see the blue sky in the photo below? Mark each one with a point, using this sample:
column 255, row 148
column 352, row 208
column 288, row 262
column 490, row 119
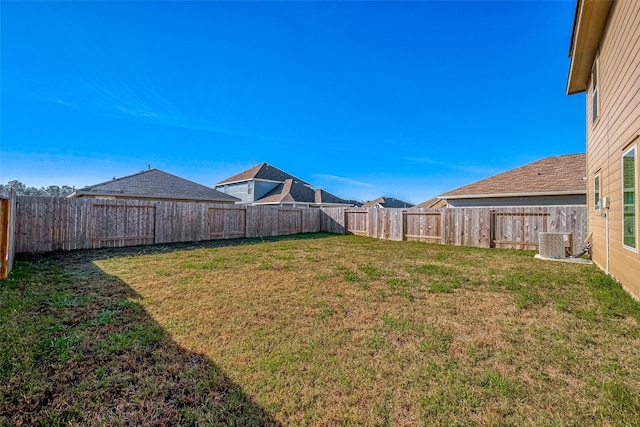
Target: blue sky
column 362, row 99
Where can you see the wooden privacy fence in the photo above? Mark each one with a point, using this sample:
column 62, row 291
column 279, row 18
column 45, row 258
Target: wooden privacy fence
column 44, row 224
column 508, row 227
column 7, row 225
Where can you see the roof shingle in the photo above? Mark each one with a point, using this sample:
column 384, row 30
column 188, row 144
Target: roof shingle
column 557, row 174
column 294, row 191
column 388, row 202
column 263, row 171
column 155, row 184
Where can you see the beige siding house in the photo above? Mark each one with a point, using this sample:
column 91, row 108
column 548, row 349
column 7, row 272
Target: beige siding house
column 605, row 63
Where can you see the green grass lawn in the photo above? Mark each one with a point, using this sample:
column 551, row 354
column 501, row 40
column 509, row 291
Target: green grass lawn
column 315, row 330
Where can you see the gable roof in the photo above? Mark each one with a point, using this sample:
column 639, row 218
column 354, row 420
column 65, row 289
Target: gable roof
column 555, row 175
column 294, row 191
column 263, row 171
column 155, row 184
column 388, row 202
column 433, row 203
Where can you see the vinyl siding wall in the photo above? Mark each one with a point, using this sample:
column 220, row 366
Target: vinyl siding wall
column 241, row 190
column 612, row 134
column 571, row 199
column 238, row 190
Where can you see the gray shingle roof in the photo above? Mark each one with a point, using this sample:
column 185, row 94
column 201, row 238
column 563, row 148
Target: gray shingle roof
column 551, row 175
column 323, row 196
column 294, row 191
column 388, row 202
column 262, row 171
column 155, row 184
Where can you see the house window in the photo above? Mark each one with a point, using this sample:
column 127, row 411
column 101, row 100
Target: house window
column 594, row 91
column 629, row 198
column 596, row 192
column 250, row 187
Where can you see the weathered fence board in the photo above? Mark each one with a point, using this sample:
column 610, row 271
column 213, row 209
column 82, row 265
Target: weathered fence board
column 504, row 227
column 332, row 220
column 48, row 223
column 386, row 224
column 289, row 221
column 121, row 223
column 226, row 223
column 423, row 225
column 43, row 224
column 357, row 221
column 311, row 219
column 519, row 227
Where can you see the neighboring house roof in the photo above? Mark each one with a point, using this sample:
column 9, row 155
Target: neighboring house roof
column 294, row 191
column 323, row 196
column 432, row 204
column 263, row 171
column 387, row 202
column 558, row 175
column 588, row 26
column 155, row 184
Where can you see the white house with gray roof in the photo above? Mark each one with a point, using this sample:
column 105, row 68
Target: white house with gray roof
column 265, row 184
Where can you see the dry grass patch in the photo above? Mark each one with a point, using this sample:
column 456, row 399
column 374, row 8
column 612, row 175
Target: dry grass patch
column 344, row 330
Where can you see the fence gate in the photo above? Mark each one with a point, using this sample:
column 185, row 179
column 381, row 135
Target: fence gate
column 227, row 223
column 423, row 226
column 289, row 221
column 356, row 222
column 518, row 229
column 120, row 224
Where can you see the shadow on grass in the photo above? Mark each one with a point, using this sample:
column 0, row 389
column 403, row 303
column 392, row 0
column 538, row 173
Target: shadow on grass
column 79, row 349
column 105, row 253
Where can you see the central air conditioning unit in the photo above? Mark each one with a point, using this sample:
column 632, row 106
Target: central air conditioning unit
column 555, row 245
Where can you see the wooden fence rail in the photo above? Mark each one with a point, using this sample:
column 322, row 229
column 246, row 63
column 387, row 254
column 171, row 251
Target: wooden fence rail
column 46, row 224
column 7, row 239
column 504, row 227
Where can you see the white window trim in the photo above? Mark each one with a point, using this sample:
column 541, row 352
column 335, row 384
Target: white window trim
column 597, row 204
column 635, row 182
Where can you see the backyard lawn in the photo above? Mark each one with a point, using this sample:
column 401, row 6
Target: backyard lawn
column 315, row 330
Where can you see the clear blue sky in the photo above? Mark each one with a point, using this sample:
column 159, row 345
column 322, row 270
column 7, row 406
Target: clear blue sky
column 363, row 99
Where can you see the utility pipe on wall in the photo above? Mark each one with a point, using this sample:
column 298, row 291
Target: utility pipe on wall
column 605, row 209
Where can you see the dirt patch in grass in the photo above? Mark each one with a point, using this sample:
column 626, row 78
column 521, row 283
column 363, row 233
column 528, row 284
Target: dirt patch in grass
column 322, row 330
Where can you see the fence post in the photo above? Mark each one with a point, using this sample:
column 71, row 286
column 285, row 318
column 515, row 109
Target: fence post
column 443, row 225
column 7, row 232
column 346, row 223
